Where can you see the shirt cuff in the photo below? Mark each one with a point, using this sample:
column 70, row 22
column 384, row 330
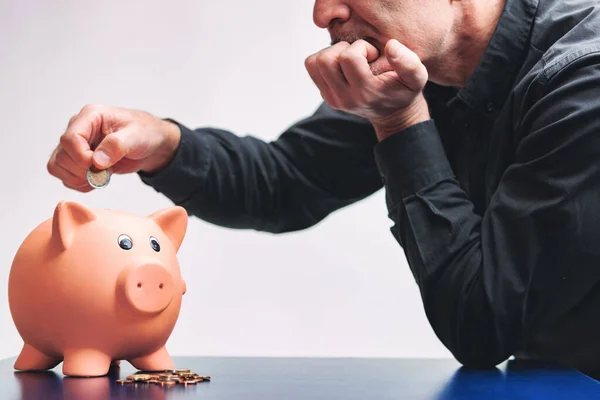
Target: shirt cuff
column 411, row 160
column 184, row 174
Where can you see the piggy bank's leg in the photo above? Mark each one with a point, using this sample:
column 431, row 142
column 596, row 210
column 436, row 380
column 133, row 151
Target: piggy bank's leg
column 86, row 362
column 32, row 359
column 157, row 361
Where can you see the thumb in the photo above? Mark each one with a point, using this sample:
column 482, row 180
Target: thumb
column 114, row 147
column 408, row 66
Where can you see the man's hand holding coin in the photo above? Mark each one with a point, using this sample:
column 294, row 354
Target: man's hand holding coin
column 109, row 138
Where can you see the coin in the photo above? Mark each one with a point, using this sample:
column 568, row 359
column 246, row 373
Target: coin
column 182, row 371
column 167, row 377
column 97, row 178
column 140, row 377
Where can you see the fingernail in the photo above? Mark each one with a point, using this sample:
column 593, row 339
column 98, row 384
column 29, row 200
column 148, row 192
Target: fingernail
column 101, row 158
column 395, row 48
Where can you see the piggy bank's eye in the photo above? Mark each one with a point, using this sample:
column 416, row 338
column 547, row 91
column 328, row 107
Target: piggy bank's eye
column 125, row 242
column 154, row 244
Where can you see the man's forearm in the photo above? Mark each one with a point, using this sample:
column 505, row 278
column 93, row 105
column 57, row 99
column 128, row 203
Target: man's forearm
column 318, row 165
column 440, row 234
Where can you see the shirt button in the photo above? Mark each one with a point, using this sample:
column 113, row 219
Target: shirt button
column 490, row 107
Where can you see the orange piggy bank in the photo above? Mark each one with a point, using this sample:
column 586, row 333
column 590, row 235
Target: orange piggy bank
column 89, row 287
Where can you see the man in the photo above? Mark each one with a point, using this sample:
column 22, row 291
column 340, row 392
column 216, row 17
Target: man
column 481, row 120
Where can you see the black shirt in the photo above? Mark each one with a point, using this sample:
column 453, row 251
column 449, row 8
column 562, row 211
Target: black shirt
column 495, row 200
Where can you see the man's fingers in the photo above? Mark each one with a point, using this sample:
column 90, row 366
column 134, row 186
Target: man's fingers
column 87, row 128
column 68, row 179
column 115, row 146
column 354, row 62
column 83, row 188
column 407, row 65
column 87, row 123
column 64, row 160
column 125, row 166
column 84, row 128
column 311, row 67
column 56, row 167
column 328, row 65
column 77, row 147
column 327, row 93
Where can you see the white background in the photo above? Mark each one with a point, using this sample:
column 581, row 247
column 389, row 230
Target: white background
column 342, row 288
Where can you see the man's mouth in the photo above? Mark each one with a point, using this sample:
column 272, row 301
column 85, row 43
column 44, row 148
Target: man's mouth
column 379, row 65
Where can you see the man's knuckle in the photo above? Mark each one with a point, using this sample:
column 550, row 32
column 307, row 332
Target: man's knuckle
column 322, row 58
column 51, row 168
column 311, row 64
column 347, row 57
column 332, row 63
column 66, row 140
column 89, row 108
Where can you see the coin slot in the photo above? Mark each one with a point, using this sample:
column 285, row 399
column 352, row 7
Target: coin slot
column 161, row 286
column 139, row 285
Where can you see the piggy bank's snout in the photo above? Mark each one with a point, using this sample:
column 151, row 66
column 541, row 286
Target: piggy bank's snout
column 149, row 288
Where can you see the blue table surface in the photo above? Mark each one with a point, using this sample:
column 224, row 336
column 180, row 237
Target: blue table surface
column 315, row 378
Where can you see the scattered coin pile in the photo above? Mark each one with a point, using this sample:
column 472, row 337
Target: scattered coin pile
column 97, row 178
column 167, row 377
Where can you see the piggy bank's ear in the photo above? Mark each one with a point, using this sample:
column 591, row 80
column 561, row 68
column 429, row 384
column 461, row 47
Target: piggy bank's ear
column 173, row 222
column 68, row 216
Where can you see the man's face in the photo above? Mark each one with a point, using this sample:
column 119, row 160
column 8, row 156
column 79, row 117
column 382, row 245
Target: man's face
column 421, row 25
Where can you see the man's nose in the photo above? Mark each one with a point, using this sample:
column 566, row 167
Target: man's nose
column 327, row 11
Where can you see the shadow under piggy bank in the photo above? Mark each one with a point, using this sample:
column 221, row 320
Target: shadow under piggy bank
column 50, row 385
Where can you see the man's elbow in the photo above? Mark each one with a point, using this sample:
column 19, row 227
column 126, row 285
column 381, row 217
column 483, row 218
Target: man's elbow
column 472, row 336
column 479, row 358
column 477, row 343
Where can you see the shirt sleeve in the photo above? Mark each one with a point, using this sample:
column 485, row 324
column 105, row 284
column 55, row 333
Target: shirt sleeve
column 316, row 166
column 490, row 282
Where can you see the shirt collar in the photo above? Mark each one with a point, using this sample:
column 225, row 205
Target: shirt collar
column 489, row 85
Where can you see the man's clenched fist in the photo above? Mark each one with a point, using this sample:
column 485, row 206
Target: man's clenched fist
column 392, row 100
